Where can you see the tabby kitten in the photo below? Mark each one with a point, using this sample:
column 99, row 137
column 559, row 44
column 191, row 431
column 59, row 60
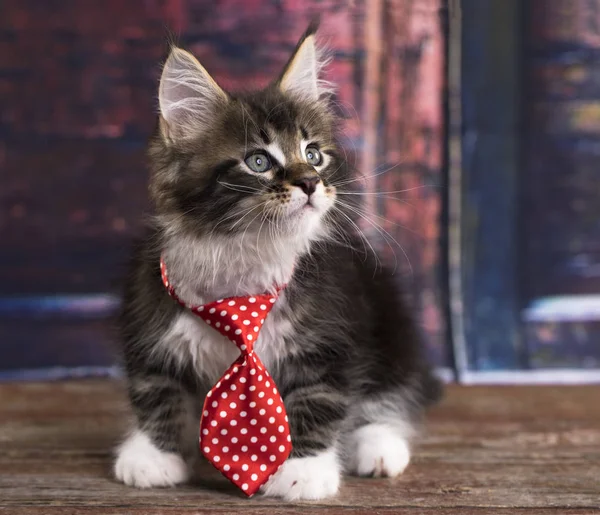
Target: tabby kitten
column 245, row 189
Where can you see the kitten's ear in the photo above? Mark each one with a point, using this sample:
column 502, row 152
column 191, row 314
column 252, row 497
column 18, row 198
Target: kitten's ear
column 301, row 74
column 188, row 97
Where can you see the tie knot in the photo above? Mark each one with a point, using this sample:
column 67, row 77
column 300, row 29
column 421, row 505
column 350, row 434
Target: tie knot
column 238, row 318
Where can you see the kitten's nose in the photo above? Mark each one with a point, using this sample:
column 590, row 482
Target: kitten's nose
column 308, row 184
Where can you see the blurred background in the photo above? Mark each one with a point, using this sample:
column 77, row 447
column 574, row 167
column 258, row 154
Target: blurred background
column 475, row 125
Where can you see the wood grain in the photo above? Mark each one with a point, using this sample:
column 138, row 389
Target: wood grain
column 511, row 449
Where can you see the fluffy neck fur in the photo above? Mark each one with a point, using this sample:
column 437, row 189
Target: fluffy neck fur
column 209, row 267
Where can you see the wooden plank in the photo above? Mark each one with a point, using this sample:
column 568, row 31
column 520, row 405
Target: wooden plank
column 533, row 449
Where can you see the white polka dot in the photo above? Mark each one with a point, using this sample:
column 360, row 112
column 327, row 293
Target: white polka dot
column 267, row 383
column 235, row 369
column 216, row 459
column 242, row 397
column 289, row 438
column 243, row 414
column 263, row 306
column 215, row 441
column 231, row 303
column 235, row 477
column 273, row 439
column 262, row 411
column 211, row 310
column 275, row 391
column 223, row 432
column 279, row 410
column 208, row 322
column 281, row 429
column 232, row 405
column 263, row 430
column 205, row 413
column 233, row 422
column 245, row 467
column 269, row 402
column 245, row 486
column 286, row 418
column 218, row 384
column 224, row 395
column 238, row 331
column 254, row 439
column 226, row 468
column 243, row 308
column 261, row 395
column 272, row 457
column 200, row 308
column 234, row 440
column 225, row 449
column 253, row 404
column 253, row 422
column 272, row 300
column 263, row 448
column 251, row 300
column 234, row 317
column 254, row 477
column 207, row 450
column 254, row 314
column 281, row 448
column 249, row 336
column 244, row 448
column 256, row 329
column 205, row 431
column 254, row 457
column 243, row 431
column 233, row 387
column 246, row 322
column 263, row 467
column 223, row 414
column 209, row 393
column 214, row 404
column 227, row 328
column 219, row 301
column 242, row 347
column 260, row 378
column 227, row 376
column 252, row 371
column 242, row 380
column 235, row 457
column 218, row 324
column 223, row 313
column 213, row 423
column 262, row 321
column 271, row 420
column 252, row 388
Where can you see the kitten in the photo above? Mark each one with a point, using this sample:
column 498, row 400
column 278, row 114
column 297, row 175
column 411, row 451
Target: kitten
column 245, row 189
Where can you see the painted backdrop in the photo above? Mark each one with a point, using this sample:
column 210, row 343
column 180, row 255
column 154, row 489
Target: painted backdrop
column 78, row 88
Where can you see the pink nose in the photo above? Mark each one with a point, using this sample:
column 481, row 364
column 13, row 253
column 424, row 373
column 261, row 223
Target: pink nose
column 308, row 185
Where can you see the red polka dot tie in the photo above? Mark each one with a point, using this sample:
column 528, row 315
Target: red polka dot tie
column 244, row 429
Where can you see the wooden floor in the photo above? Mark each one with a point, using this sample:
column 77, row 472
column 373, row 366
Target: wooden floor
column 503, row 449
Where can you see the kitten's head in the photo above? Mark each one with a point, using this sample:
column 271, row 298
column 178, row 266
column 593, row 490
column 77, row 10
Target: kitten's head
column 237, row 164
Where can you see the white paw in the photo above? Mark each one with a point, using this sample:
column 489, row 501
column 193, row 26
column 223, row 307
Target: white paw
column 311, row 478
column 379, row 451
column 139, row 463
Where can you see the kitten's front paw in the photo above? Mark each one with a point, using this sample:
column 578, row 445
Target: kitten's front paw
column 310, row 478
column 139, row 463
column 379, row 452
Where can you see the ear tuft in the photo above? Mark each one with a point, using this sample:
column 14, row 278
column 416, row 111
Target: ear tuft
column 300, row 76
column 188, row 96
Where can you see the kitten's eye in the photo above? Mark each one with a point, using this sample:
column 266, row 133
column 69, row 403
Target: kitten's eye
column 258, row 163
column 313, row 156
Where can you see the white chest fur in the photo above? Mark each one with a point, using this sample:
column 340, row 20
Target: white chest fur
column 191, row 340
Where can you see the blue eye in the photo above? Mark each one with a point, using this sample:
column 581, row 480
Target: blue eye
column 258, row 163
column 313, row 156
